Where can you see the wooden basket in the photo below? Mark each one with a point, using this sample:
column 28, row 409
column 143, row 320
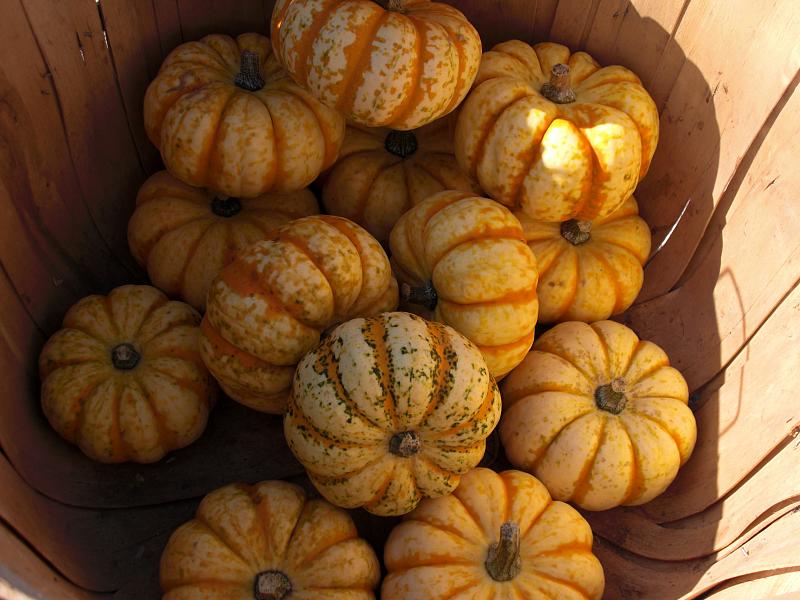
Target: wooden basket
column 720, row 293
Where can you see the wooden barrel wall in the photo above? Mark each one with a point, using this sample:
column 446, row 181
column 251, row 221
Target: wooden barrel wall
column 720, row 293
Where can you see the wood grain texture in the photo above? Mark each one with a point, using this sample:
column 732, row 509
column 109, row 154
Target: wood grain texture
column 714, row 110
column 733, row 286
column 629, row 577
column 202, row 17
column 775, row 585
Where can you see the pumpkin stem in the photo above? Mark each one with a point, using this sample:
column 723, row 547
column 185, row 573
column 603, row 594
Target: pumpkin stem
column 424, row 296
column 125, row 357
column 401, row 143
column 405, row 444
column 558, row 89
column 249, row 75
column 503, row 561
column 223, row 206
column 272, row 585
column 393, row 5
column 611, row 396
column 576, row 232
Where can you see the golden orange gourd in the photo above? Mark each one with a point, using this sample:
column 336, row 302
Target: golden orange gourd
column 598, row 416
column 465, row 260
column 270, row 306
column 226, row 116
column 498, row 536
column 588, row 270
column 389, row 410
column 123, row 379
column 396, row 63
column 553, row 134
column 268, row 542
column 381, row 173
column 184, row 235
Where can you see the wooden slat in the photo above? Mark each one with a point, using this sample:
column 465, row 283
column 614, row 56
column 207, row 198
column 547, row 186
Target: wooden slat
column 135, row 46
column 766, row 496
column 202, row 17
column 750, row 260
column 712, row 116
column 602, row 33
column 499, row 20
column 744, row 415
column 168, row 23
column 97, row 550
column 101, row 146
column 628, row 577
column 24, row 576
column 776, row 586
column 49, row 244
column 572, row 21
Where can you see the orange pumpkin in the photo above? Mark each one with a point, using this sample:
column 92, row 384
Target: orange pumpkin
column 184, row 235
column 598, row 416
column 389, row 410
column 399, row 67
column 497, row 536
column 270, row 306
column 267, row 542
column 227, row 117
column 555, row 135
column 123, row 379
column 381, row 173
column 588, row 270
column 465, row 260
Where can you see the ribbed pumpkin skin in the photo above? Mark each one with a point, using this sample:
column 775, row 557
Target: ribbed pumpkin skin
column 372, row 379
column 137, row 414
column 381, row 68
column 556, row 162
column 215, row 134
column 241, row 531
column 439, row 550
column 374, row 187
column 474, row 253
column 593, row 280
column 270, row 306
column 175, row 233
column 553, row 425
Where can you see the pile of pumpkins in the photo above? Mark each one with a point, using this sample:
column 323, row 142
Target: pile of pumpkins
column 502, row 185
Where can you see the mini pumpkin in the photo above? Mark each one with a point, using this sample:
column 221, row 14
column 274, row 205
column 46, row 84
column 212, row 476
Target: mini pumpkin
column 465, row 259
column 390, row 409
column 381, row 173
column 270, row 306
column 588, row 270
column 184, row 235
column 497, row 536
column 598, row 416
column 395, row 63
column 123, row 379
column 267, row 542
column 226, row 116
column 555, row 135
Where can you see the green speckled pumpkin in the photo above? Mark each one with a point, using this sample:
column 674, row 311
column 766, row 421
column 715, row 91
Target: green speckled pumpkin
column 389, row 410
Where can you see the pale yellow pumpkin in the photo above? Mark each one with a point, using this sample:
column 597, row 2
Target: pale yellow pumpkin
column 588, row 270
column 389, row 410
column 123, row 379
column 184, row 235
column 270, row 306
column 381, row 173
column 267, row 542
column 226, row 116
column 555, row 135
column 499, row 536
column 598, row 416
column 465, row 260
column 401, row 66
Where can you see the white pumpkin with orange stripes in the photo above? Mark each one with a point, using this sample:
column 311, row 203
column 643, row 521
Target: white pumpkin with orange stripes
column 389, row 410
column 394, row 63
